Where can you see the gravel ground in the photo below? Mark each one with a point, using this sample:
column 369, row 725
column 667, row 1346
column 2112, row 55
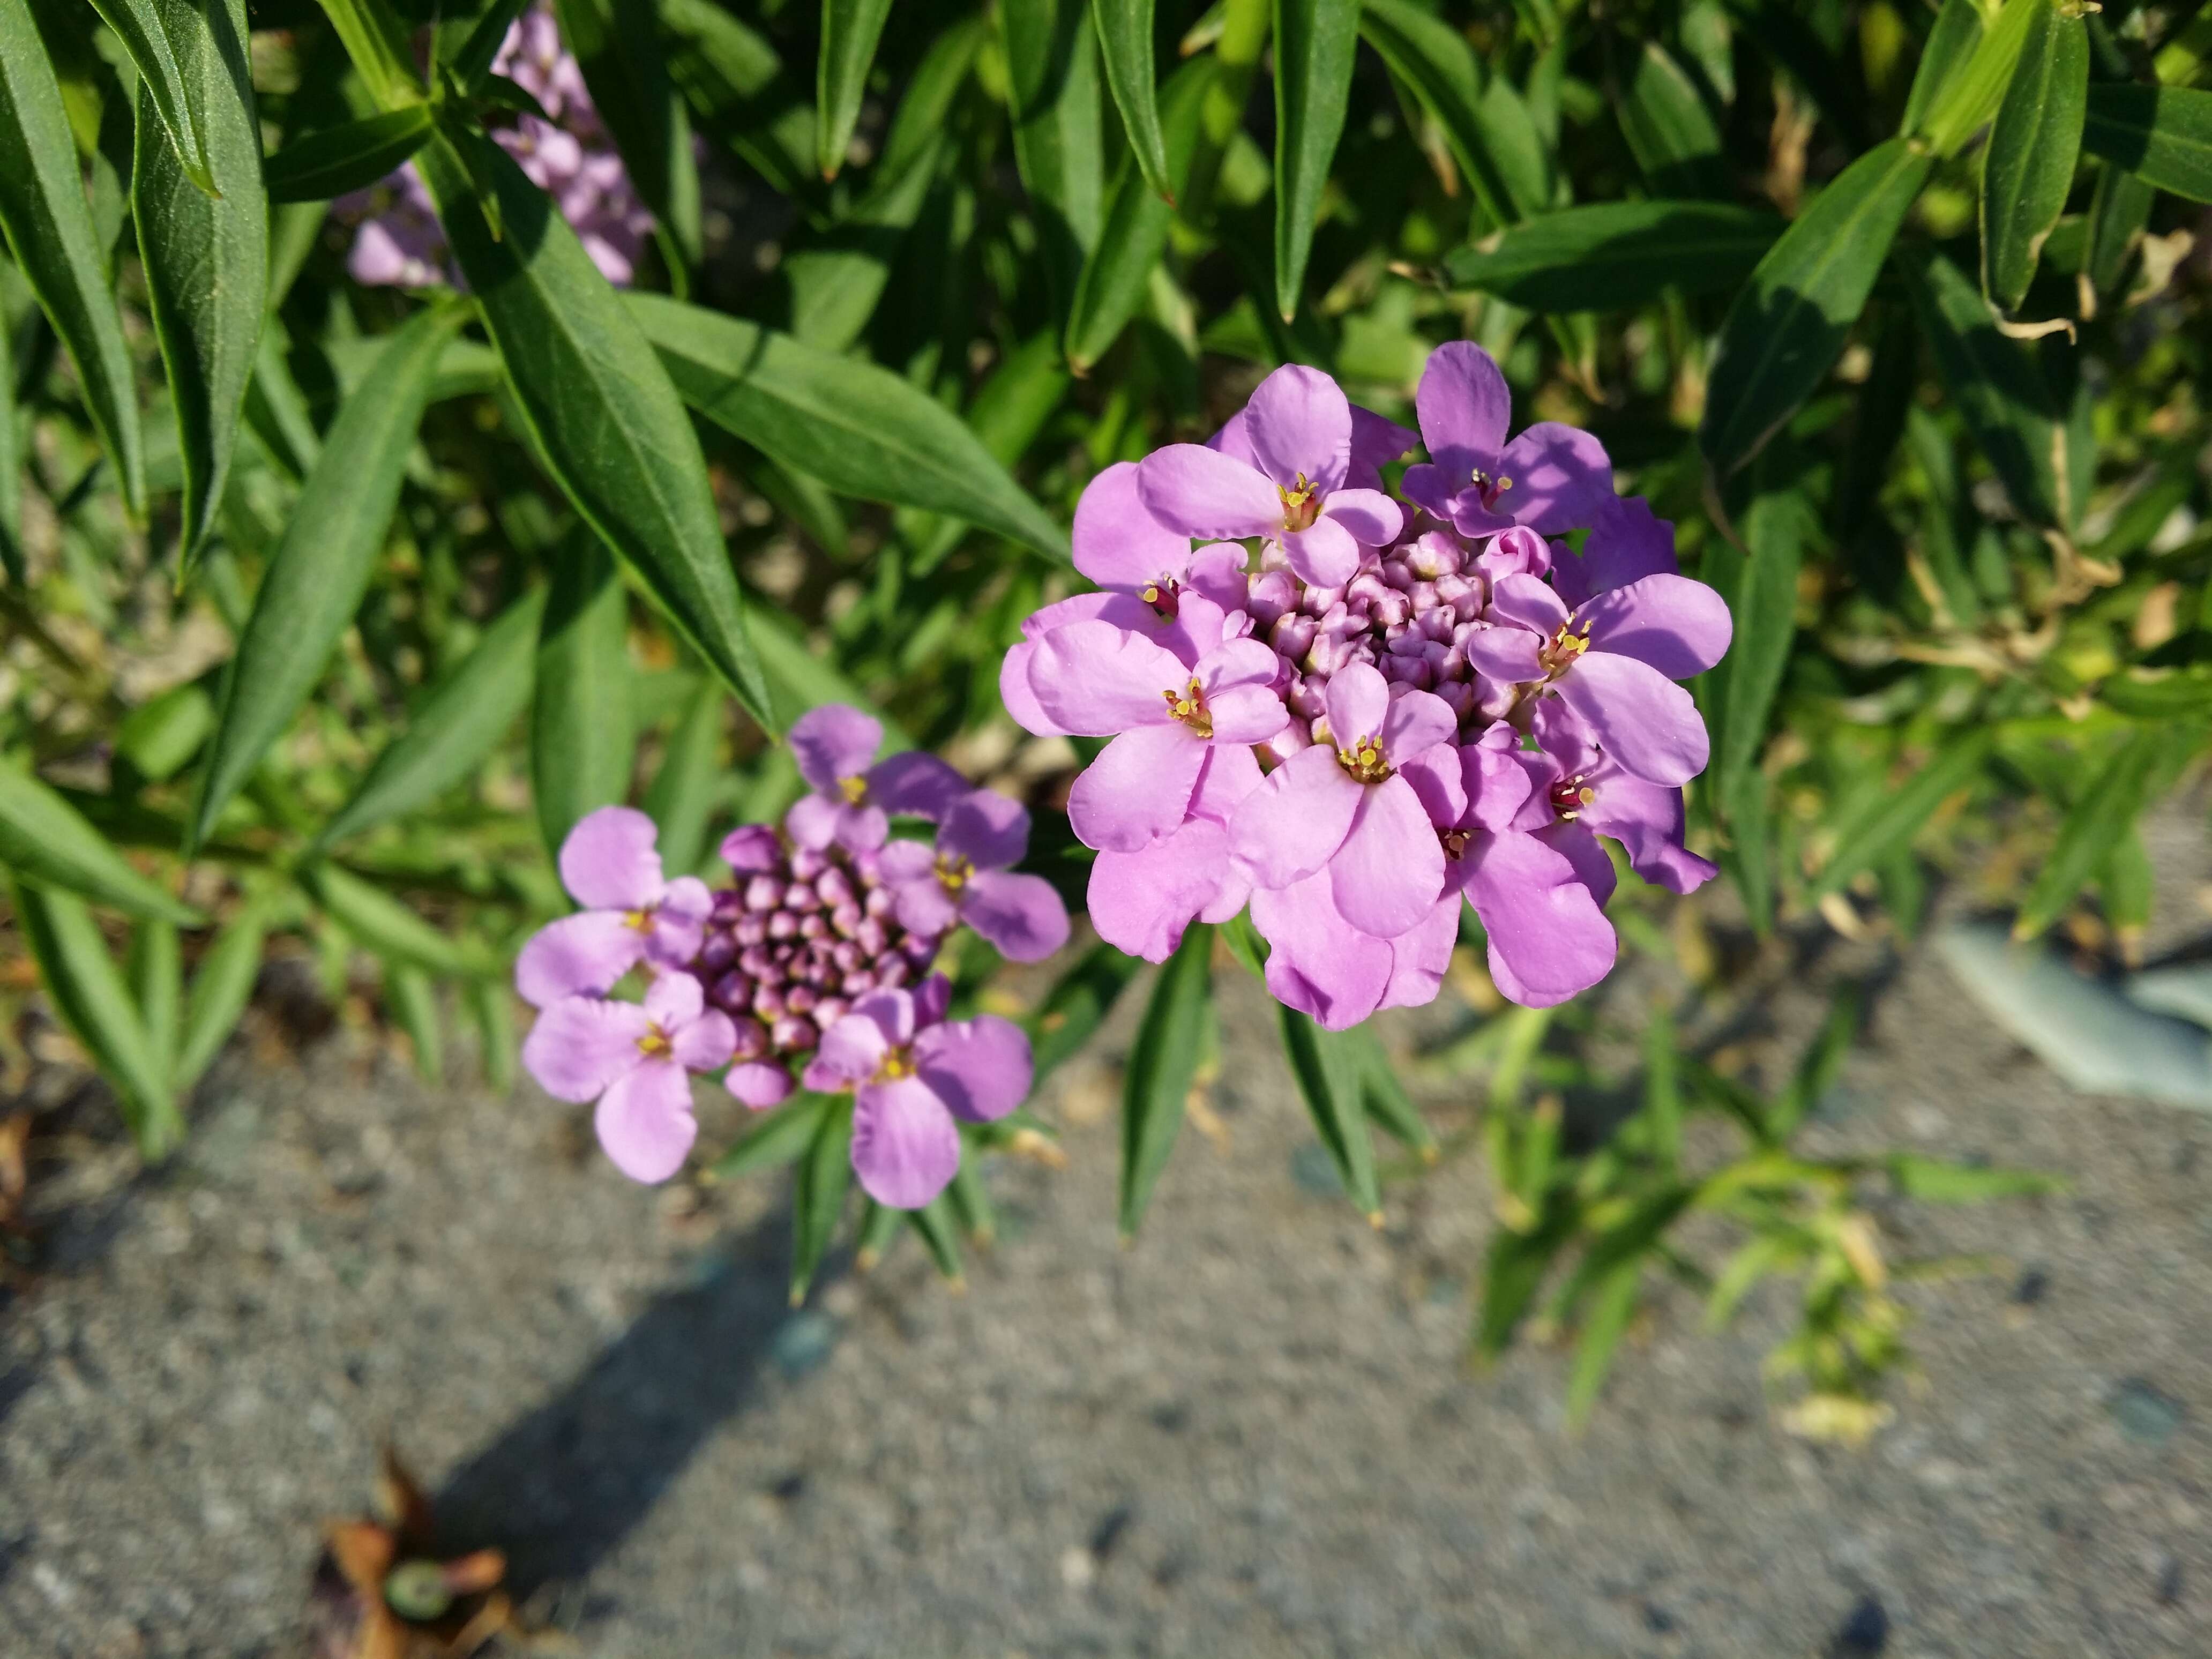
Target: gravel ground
column 1251, row 1434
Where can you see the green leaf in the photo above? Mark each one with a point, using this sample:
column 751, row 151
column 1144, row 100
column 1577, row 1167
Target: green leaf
column 1612, row 1306
column 2110, row 800
column 599, row 406
column 1934, row 1180
column 682, row 795
column 970, row 1199
column 1315, row 43
column 1327, row 1068
column 880, row 1227
column 1971, row 94
column 376, row 40
column 739, row 95
column 1951, row 43
column 861, row 430
column 491, row 1002
column 2163, row 134
column 348, row 157
column 1886, row 823
column 1125, row 44
column 1817, row 1071
column 1515, row 1270
column 2028, row 168
column 1763, row 601
column 1435, row 60
column 776, row 1137
column 206, row 257
column 454, row 728
column 1052, row 68
column 88, row 992
column 850, row 29
column 45, row 840
column 1788, row 327
column 1163, row 1064
column 321, row 568
column 277, row 410
column 837, row 279
column 933, row 1222
column 1077, row 1006
column 471, row 60
column 1669, row 132
column 2120, row 212
column 617, row 46
column 1662, row 1089
column 1138, row 218
column 157, row 983
column 1616, row 256
column 382, row 923
column 1999, row 387
column 48, row 221
column 818, row 1193
column 159, row 737
column 160, row 36
column 11, row 465
column 222, row 986
column 1386, row 1100
column 583, row 736
column 412, row 1001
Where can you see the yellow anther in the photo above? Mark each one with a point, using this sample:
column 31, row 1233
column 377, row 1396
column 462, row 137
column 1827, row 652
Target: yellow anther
column 897, row 1064
column 1190, row 709
column 854, row 789
column 1151, row 594
column 639, row 920
column 654, row 1044
column 953, row 871
column 1301, row 504
column 1363, row 760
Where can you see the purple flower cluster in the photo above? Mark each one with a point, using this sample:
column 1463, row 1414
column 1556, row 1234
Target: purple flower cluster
column 571, row 158
column 817, row 955
column 1404, row 701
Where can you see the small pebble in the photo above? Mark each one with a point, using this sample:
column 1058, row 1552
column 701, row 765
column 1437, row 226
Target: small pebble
column 2145, row 1415
column 1315, row 1171
column 1865, row 1633
column 802, row 1343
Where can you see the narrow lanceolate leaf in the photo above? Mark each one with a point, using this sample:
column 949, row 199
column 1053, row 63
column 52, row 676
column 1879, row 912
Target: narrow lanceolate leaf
column 1136, row 227
column 739, row 95
column 582, row 733
column 618, row 49
column 320, row 571
column 1611, row 1305
column 89, row 994
column 818, row 1194
column 157, row 983
column 2120, row 212
column 1885, row 824
column 1433, row 58
column 471, row 60
column 1998, row 385
column 1668, row 128
column 411, row 999
column 48, row 221
column 775, row 1137
column 1616, row 256
column 1051, row 70
column 850, row 29
column 861, row 430
column 11, row 466
column 1125, row 47
column 2110, row 800
column 1951, row 42
column 2163, row 134
column 1788, row 327
column 383, row 924
column 1163, row 1064
column 45, row 840
column 2028, row 166
column 1315, row 41
column 206, row 257
column 1326, row 1065
column 159, row 36
column 221, row 987
column 349, row 157
column 458, row 724
column 1971, row 94
column 1763, row 605
column 681, row 798
column 598, row 404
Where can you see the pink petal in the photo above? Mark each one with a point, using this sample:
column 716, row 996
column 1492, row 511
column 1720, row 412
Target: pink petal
column 1681, row 627
column 860, row 828
column 1376, row 442
column 1548, row 939
column 813, row 821
column 1204, row 492
column 896, row 1013
column 1420, row 957
column 580, row 955
column 1414, row 723
column 989, row 830
column 1389, row 873
column 609, row 862
column 1562, row 477
column 751, row 849
column 1648, row 725
column 1462, row 405
column 1499, row 785
column 1141, row 902
column 1137, row 790
column 1628, row 543
column 645, row 1121
column 1324, row 553
column 834, row 742
column 1022, row 916
column 1293, row 824
column 1093, row 679
column 1247, row 714
column 1373, row 518
column 1233, row 440
column 758, row 1083
column 579, row 1045
column 1508, row 654
column 1316, row 963
column 907, row 860
column 1218, row 572
column 924, row 906
column 1527, row 602
column 1230, row 773
column 1118, row 542
column 853, row 1048
column 1299, row 423
column 914, row 784
column 1358, row 702
column 1243, row 661
column 979, row 1067
column 1593, row 865
column 706, row 1043
column 673, row 999
column 1022, row 704
column 905, row 1144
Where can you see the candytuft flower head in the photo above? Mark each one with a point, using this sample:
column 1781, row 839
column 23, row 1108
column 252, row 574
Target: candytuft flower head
column 854, row 796
column 634, row 1059
column 608, row 865
column 967, row 877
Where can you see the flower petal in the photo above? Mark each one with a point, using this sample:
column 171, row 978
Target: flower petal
column 834, row 742
column 751, row 849
column 923, row 907
column 1593, row 865
column 1022, row 916
column 579, row 1045
column 1022, row 704
column 1247, row 714
column 758, row 1083
column 582, row 955
column 853, row 1047
column 896, row 1013
column 1137, row 790
column 1094, row 679
column 1386, row 876
column 645, row 1122
column 1317, row 964
column 1562, row 477
column 1414, row 723
column 1646, row 723
column 1420, row 956
column 1141, row 902
column 1499, row 784
column 1325, row 553
column 1462, row 405
column 860, row 828
column 1202, row 492
column 1548, row 939
column 989, row 830
column 1372, row 517
column 1293, row 824
column 979, row 1067
column 1647, row 821
column 1243, row 661
column 1299, row 425
column 1230, row 773
column 674, row 999
column 1438, row 778
column 609, row 862
column 706, row 1043
column 1358, row 702
column 813, row 821
column 1527, row 602
column 906, row 1147
column 914, row 784
column 1507, row 654
column 1376, row 442
column 1118, row 542
column 1681, row 627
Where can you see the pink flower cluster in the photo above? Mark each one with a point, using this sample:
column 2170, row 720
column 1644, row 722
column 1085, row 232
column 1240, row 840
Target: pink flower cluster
column 818, row 955
column 572, row 158
column 1403, row 700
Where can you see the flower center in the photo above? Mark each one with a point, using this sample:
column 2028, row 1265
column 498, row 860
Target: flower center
column 1164, row 596
column 1570, row 796
column 1363, row 760
column 1558, row 654
column 1488, row 488
column 1301, row 504
column 953, row 871
column 1455, row 842
column 655, row 1044
column 897, row 1066
column 854, row 789
column 1189, row 708
column 641, row 919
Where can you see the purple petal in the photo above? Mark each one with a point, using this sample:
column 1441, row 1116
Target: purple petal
column 1548, row 939
column 930, row 1001
column 989, row 830
column 1325, row 553
column 706, row 1043
column 1358, row 702
column 1373, row 518
column 896, row 1013
column 1022, row 916
column 1428, row 488
column 1243, row 661
column 1462, row 405
column 579, row 1045
column 907, row 860
column 860, row 828
column 1414, row 723
column 1527, row 602
column 1437, row 778
column 813, row 821
column 1118, row 542
column 1247, row 714
column 1498, row 785
column 1022, row 705
column 609, row 863
column 1201, row 492
column 834, row 742
column 1234, row 440
column 853, row 1048
column 979, row 1067
column 1420, row 957
column 758, row 1083
column 674, row 1000
column 914, row 784
column 1628, row 543
column 1593, row 865
column 1507, row 654
column 1681, row 627
column 1293, row 824
column 906, row 1147
column 672, row 937
column 1218, row 572
column 1376, row 442
column 1141, row 902
column 1562, row 477
column 1137, row 790
column 1386, row 876
column 1229, row 775
column 1646, row 723
column 1093, row 679
column 645, row 1122
column 924, row 906
column 577, row 956
column 1647, row 821
column 1316, row 963
column 1299, row 425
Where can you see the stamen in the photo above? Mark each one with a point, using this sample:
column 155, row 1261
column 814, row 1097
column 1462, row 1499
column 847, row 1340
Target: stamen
column 1363, row 760
column 655, row 1044
column 1301, row 504
column 897, row 1066
column 1190, row 709
column 953, row 871
column 641, row 920
column 854, row 789
column 1559, row 652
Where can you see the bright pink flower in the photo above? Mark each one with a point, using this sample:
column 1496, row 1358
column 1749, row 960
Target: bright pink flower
column 1294, row 490
column 1322, row 965
column 608, row 865
column 1589, row 793
column 854, row 796
column 1551, row 478
column 635, row 1060
column 1341, row 806
column 968, row 876
column 1140, row 902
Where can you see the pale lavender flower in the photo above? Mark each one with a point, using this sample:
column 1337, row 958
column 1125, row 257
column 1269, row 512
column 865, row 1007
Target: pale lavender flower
column 635, row 1060
column 967, row 875
column 608, row 863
